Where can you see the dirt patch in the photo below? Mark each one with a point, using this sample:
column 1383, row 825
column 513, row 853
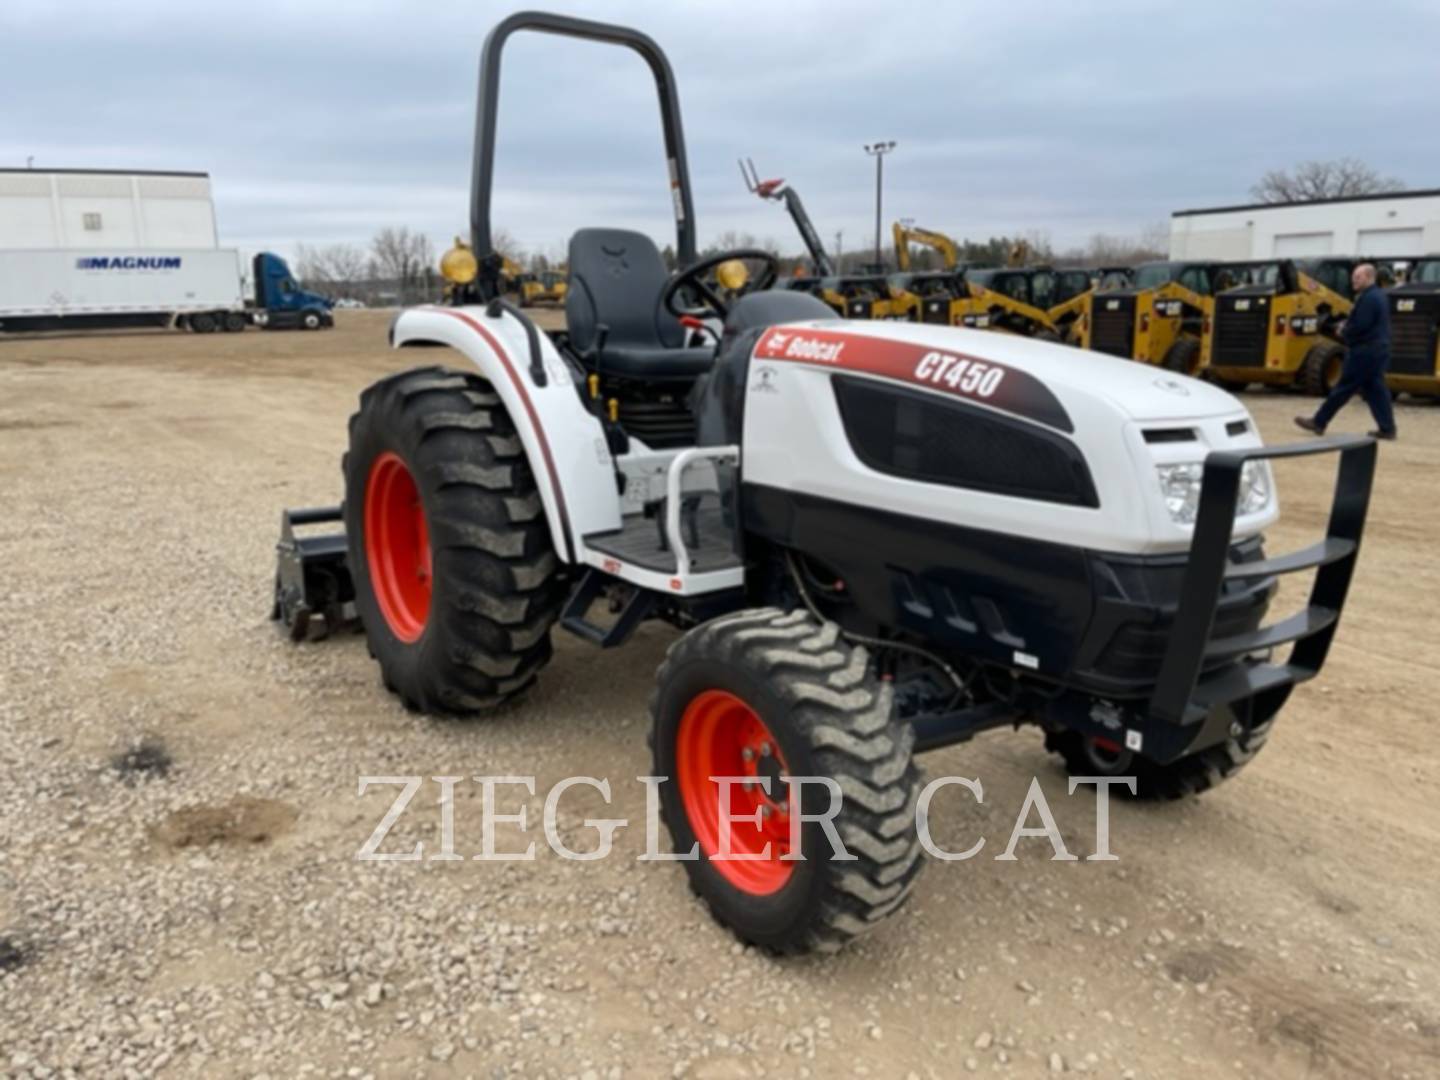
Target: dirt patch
column 145, row 760
column 1201, row 965
column 242, row 820
column 13, row 955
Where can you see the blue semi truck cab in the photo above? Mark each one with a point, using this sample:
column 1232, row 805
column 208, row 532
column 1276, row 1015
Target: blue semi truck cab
column 284, row 304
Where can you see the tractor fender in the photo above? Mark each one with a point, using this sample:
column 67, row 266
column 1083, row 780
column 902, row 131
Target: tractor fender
column 564, row 442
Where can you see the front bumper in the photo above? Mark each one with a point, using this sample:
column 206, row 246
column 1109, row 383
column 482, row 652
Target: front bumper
column 1216, row 681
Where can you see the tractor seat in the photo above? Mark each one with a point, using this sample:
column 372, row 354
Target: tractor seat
column 616, row 280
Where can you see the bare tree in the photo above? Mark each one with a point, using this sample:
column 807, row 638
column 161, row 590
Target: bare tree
column 1154, row 241
column 505, row 243
column 406, row 259
column 1035, row 246
column 731, row 239
column 1311, row 180
column 1108, row 249
column 335, row 266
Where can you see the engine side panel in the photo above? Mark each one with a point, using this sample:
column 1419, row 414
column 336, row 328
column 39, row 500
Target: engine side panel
column 1022, row 604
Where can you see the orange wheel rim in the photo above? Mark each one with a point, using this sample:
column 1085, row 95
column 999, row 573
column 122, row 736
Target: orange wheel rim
column 397, row 547
column 720, row 735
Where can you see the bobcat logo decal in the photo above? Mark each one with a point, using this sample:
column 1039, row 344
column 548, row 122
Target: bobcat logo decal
column 616, row 265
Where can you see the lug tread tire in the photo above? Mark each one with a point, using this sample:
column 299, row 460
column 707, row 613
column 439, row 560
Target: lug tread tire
column 845, row 718
column 1181, row 779
column 1317, row 361
column 1183, row 357
column 497, row 585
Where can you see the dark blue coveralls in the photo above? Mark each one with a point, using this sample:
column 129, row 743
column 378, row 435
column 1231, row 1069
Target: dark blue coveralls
column 1367, row 355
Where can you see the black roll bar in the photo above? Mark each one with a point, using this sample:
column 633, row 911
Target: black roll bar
column 483, row 175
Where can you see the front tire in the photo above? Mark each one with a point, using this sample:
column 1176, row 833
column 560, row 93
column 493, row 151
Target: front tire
column 1085, row 755
column 310, row 320
column 456, row 580
column 770, row 693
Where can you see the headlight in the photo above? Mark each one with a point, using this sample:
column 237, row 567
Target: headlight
column 1180, row 484
column 1254, row 488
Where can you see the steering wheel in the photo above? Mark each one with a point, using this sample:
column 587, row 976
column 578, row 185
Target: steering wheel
column 693, row 277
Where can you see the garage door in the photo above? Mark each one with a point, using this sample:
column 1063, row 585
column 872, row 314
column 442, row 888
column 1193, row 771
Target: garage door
column 1295, row 245
column 1391, row 242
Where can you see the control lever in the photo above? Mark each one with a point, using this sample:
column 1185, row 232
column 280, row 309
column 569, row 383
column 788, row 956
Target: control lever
column 697, row 325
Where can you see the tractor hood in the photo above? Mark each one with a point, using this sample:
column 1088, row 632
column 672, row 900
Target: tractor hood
column 1081, row 380
column 1110, row 424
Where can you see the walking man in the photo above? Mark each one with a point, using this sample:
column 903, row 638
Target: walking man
column 1366, row 334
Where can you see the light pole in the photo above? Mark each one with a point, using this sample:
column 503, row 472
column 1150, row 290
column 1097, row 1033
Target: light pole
column 878, row 151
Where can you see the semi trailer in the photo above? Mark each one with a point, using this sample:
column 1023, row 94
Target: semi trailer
column 202, row 291
column 96, row 249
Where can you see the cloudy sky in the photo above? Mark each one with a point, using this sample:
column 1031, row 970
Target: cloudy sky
column 321, row 121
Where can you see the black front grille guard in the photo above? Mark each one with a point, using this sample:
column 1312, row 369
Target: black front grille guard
column 1181, row 696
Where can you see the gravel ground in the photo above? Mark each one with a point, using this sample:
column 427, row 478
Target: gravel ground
column 178, row 885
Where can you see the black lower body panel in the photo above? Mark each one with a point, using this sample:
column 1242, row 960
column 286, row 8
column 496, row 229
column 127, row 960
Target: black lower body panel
column 1093, row 621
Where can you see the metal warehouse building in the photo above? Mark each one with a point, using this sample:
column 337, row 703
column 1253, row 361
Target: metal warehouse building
column 96, row 208
column 1400, row 223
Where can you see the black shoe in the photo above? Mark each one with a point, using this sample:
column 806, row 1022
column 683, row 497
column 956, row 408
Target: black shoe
column 1391, row 435
column 1306, row 424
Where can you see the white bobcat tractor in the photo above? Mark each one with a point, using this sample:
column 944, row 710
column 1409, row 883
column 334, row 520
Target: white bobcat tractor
column 876, row 539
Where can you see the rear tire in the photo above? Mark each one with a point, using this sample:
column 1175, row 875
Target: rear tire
column 795, row 683
column 1191, row 775
column 234, row 322
column 1321, row 370
column 456, row 580
column 202, row 322
column 1183, row 357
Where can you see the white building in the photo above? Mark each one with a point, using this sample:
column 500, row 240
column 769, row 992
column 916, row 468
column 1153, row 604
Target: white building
column 98, row 208
column 1402, row 223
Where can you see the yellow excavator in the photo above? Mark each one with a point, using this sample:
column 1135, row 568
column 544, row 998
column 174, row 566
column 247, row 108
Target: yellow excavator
column 512, row 274
column 543, row 287
column 955, row 296
column 529, row 287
